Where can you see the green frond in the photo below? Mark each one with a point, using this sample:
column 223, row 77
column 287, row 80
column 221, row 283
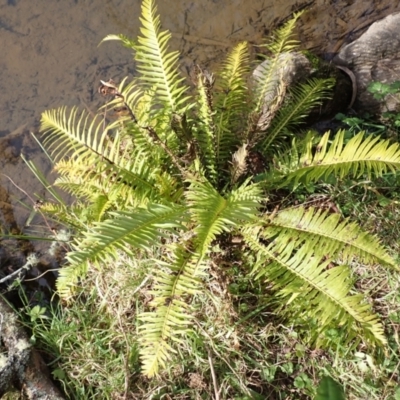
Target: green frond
column 88, row 144
column 310, row 288
column 233, row 75
column 281, row 40
column 157, row 66
column 126, row 41
column 96, row 202
column 214, row 214
column 139, row 228
column 231, row 103
column 301, row 101
column 205, row 132
column 326, row 235
column 79, row 188
column 174, row 284
column 268, row 74
column 70, row 216
column 360, row 155
column 100, row 157
column 68, row 278
column 67, row 134
column 122, row 187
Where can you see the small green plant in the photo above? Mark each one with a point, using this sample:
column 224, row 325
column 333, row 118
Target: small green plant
column 386, row 125
column 380, row 90
column 186, row 171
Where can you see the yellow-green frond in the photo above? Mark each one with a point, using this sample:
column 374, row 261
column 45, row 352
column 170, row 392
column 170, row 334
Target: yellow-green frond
column 174, row 285
column 126, row 41
column 311, row 288
column 205, row 131
column 361, row 155
column 139, row 228
column 157, row 66
column 268, row 74
column 67, row 133
column 327, row 235
column 231, row 101
column 282, row 40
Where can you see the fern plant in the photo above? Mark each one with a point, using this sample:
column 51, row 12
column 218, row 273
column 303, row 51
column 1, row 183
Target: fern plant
column 184, row 166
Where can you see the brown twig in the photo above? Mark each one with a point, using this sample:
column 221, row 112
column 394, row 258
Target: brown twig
column 214, row 378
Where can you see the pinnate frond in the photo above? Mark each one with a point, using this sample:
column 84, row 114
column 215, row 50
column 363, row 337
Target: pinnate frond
column 205, row 132
column 282, row 40
column 126, row 41
column 157, row 66
column 361, row 155
column 231, row 101
column 267, row 78
column 327, row 235
column 175, row 283
column 67, row 133
column 312, row 288
column 139, row 228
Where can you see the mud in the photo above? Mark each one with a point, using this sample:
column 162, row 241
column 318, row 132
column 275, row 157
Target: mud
column 50, row 57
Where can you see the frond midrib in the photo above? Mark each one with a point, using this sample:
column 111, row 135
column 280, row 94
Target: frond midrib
column 322, row 289
column 323, row 233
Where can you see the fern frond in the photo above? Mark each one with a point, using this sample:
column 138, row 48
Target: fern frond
column 69, row 276
column 157, row 66
column 310, row 288
column 126, row 41
column 302, row 100
column 139, row 228
column 71, row 216
column 98, row 158
column 360, row 155
column 231, row 102
column 69, row 133
column 326, row 235
column 205, row 130
column 175, row 283
column 132, row 177
column 282, row 41
column 268, row 74
column 214, row 214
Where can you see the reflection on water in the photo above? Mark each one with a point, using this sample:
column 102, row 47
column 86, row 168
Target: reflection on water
column 50, row 57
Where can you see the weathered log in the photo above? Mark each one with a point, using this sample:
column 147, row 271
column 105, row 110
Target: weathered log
column 22, row 366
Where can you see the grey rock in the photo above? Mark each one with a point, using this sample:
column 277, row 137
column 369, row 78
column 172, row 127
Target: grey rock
column 374, row 57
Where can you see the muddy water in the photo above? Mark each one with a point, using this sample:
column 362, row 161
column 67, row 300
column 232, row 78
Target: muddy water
column 50, row 57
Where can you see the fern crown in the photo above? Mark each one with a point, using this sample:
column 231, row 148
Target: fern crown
column 184, row 167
